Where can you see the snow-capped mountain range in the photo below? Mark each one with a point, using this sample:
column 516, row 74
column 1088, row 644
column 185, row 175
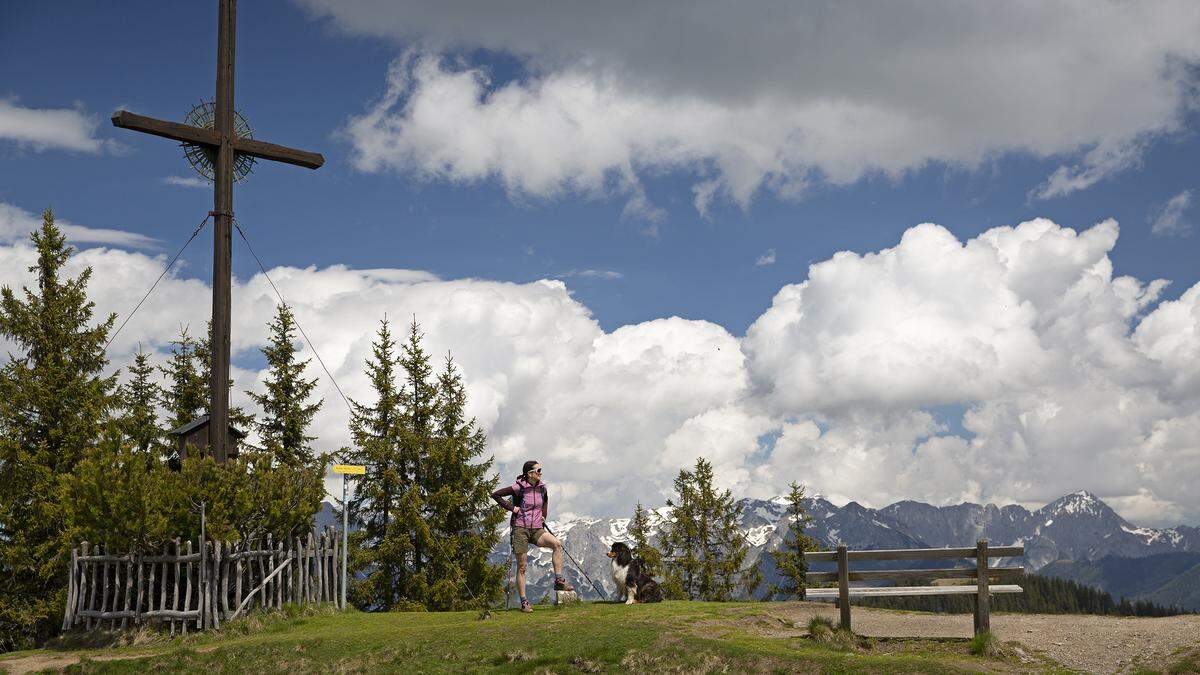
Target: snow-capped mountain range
column 1078, row 526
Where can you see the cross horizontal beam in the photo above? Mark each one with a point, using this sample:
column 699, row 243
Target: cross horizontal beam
column 189, row 134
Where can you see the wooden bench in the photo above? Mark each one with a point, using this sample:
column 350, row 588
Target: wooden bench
column 980, row 574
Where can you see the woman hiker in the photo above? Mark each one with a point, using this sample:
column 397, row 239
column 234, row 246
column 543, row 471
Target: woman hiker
column 530, row 509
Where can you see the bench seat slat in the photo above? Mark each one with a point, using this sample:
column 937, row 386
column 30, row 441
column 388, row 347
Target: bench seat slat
column 917, row 554
column 884, row 591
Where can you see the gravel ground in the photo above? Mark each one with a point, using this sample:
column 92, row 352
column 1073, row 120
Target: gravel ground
column 1093, row 644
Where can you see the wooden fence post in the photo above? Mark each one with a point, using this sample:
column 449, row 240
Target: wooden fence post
column 128, row 590
column 137, row 607
column 150, row 589
column 80, row 586
column 187, row 589
column 844, row 586
column 982, row 609
column 336, row 566
column 276, row 561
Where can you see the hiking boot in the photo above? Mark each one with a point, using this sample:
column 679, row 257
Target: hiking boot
column 560, row 584
column 525, row 606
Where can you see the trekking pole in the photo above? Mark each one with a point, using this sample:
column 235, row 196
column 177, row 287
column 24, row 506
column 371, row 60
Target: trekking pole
column 577, row 565
column 508, row 581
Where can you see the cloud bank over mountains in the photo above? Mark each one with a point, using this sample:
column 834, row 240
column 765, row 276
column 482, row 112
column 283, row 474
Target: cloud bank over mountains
column 1012, row 367
column 774, row 98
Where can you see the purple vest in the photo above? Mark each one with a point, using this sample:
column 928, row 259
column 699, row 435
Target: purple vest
column 531, row 502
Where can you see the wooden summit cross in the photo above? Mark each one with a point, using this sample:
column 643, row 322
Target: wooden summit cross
column 223, row 144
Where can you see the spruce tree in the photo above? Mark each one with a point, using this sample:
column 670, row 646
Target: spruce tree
column 380, row 548
column 789, row 559
column 238, row 418
column 703, row 542
column 418, row 400
column 139, row 401
column 462, row 517
column 54, row 402
column 681, row 541
column 286, row 410
column 186, row 396
column 639, row 532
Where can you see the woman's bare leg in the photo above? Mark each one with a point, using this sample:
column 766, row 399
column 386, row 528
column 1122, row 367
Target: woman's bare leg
column 549, row 541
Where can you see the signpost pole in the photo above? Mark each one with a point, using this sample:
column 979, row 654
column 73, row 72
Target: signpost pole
column 346, row 470
column 345, row 536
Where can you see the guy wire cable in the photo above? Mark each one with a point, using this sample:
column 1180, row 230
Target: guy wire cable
column 155, row 284
column 305, row 335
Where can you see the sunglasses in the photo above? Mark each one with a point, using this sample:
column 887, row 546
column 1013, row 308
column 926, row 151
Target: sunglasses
column 537, row 471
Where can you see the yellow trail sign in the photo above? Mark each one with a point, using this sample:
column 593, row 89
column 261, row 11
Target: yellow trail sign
column 356, row 469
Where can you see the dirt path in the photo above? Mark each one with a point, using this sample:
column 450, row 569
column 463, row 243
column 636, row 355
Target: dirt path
column 57, row 661
column 1093, row 644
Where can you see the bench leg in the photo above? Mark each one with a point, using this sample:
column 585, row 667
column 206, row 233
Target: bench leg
column 844, row 587
column 975, row 617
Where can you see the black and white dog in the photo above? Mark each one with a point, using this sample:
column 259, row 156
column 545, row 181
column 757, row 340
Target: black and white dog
column 633, row 583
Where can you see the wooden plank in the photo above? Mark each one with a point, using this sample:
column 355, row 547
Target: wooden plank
column 187, row 592
column 296, row 581
column 922, row 575
column 218, row 549
column 321, row 568
column 162, row 583
column 225, row 549
column 172, row 614
column 305, row 561
column 917, row 554
column 175, row 595
column 128, row 592
column 81, row 590
column 278, row 560
column 91, row 603
column 237, row 577
column 104, row 585
column 172, row 130
column 264, row 563
column 137, row 607
column 68, row 610
column 111, row 615
column 844, row 586
column 278, row 153
column 263, row 583
column 888, row 591
column 261, row 565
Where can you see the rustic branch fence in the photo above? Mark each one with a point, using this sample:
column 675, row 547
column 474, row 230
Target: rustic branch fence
column 199, row 587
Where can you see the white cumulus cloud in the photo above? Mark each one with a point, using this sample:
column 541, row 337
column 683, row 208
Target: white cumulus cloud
column 769, row 96
column 1063, row 374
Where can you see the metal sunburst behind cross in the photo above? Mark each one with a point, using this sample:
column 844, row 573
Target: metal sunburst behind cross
column 217, row 139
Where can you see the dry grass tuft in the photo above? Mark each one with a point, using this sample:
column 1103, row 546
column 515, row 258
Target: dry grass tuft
column 586, row 665
column 517, row 656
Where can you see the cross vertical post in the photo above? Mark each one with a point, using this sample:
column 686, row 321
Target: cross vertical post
column 222, row 146
column 222, row 233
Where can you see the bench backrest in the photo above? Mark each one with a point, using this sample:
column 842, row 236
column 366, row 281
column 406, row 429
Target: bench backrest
column 981, row 573
column 981, row 552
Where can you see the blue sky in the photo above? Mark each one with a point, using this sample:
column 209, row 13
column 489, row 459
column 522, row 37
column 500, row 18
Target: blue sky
column 297, row 82
column 307, row 70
